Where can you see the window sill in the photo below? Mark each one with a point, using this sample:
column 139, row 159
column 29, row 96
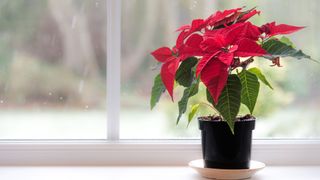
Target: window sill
column 156, row 153
column 141, row 173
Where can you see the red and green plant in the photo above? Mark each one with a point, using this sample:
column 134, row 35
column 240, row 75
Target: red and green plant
column 217, row 52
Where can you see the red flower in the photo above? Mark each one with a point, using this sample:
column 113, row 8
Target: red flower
column 271, row 29
column 217, row 41
column 237, row 41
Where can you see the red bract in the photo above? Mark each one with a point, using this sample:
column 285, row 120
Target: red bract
column 238, row 41
column 247, row 15
column 171, row 58
column 191, row 47
column 162, row 54
column 215, row 20
column 215, row 77
column 271, row 29
column 187, row 30
column 196, row 25
column 223, row 17
column 169, row 67
column 168, row 72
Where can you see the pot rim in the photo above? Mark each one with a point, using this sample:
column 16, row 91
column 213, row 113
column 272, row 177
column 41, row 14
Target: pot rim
column 252, row 118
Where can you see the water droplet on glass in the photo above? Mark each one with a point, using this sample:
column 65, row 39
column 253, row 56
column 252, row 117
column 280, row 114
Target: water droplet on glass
column 61, row 98
column 87, row 107
column 50, row 93
column 97, row 4
column 1, row 101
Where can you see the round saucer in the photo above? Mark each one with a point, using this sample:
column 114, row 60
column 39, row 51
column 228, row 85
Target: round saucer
column 213, row 173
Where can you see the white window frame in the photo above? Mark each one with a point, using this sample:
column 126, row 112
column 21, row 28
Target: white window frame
column 114, row 151
column 113, row 67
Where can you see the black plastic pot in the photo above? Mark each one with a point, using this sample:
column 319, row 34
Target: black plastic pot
column 221, row 149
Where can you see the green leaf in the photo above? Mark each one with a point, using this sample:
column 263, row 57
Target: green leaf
column 209, row 97
column 277, row 48
column 184, row 74
column 287, row 41
column 193, row 112
column 229, row 100
column 250, row 89
column 157, row 90
column 259, row 74
column 187, row 93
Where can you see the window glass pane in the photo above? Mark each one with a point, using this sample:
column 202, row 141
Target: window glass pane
column 291, row 110
column 52, row 69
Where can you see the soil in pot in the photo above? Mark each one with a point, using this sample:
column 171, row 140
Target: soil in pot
column 222, row 149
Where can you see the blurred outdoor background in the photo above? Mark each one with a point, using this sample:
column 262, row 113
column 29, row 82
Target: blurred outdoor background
column 53, row 69
column 291, row 110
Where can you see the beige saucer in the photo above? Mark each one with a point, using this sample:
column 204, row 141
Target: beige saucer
column 226, row 173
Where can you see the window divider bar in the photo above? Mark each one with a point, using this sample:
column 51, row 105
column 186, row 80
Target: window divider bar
column 113, row 68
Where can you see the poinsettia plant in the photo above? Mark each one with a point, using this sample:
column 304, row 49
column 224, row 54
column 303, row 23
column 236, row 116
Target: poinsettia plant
column 217, row 51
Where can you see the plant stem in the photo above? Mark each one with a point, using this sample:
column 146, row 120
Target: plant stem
column 243, row 64
column 209, row 105
column 246, row 63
